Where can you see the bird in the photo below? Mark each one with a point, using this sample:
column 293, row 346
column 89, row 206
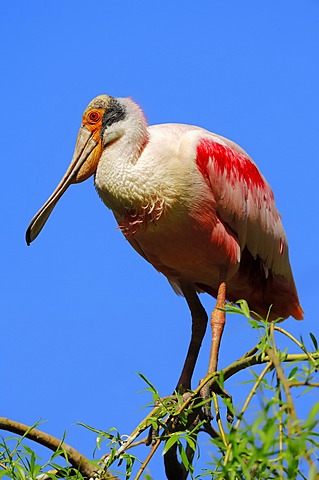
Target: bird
column 194, row 205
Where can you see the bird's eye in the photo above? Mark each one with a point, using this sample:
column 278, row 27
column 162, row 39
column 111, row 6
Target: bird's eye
column 94, row 116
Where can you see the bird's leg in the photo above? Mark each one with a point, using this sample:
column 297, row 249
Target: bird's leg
column 199, row 324
column 217, row 322
column 175, row 469
column 217, row 325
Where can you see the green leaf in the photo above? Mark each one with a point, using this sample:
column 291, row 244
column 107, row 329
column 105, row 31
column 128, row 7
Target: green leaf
column 293, row 373
column 183, row 455
column 171, row 441
column 314, row 340
column 191, row 442
column 244, row 307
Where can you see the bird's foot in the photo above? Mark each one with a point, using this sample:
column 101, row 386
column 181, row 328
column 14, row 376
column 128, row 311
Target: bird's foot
column 152, row 436
column 206, row 395
column 207, row 399
column 175, row 421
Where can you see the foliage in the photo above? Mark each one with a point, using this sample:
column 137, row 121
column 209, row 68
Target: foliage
column 269, row 443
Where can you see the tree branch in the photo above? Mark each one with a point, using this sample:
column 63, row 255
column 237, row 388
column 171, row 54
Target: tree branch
column 82, row 464
column 76, row 459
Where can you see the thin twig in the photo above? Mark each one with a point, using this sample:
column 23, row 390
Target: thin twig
column 252, row 393
column 272, row 338
column 290, row 404
column 243, row 363
column 300, row 345
column 281, row 424
column 284, row 382
column 148, row 459
column 251, row 352
column 303, row 384
column 245, row 406
column 280, row 439
column 136, row 433
column 218, row 419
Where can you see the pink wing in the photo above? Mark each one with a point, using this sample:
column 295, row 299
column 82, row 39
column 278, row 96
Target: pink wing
column 245, row 202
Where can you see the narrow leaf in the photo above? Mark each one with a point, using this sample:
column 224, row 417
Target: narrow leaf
column 170, row 442
column 314, row 340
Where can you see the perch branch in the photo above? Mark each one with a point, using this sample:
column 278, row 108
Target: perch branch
column 76, row 459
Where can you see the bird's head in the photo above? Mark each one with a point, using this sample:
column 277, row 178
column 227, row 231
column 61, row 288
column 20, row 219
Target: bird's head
column 102, row 124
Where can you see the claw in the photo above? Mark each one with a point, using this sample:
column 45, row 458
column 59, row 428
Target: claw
column 152, row 436
column 206, row 395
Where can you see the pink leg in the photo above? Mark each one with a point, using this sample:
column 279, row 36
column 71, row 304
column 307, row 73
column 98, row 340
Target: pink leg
column 199, row 323
column 217, row 324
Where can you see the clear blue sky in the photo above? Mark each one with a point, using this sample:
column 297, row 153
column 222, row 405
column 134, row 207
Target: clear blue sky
column 81, row 312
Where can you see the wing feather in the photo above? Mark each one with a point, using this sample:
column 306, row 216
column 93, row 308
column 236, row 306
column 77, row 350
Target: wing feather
column 245, row 202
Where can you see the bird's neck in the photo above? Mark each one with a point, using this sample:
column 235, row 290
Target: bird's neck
column 119, row 180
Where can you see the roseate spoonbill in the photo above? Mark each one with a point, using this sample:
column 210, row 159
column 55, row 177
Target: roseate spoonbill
column 194, row 205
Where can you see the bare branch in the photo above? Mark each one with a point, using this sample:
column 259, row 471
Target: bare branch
column 76, row 459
